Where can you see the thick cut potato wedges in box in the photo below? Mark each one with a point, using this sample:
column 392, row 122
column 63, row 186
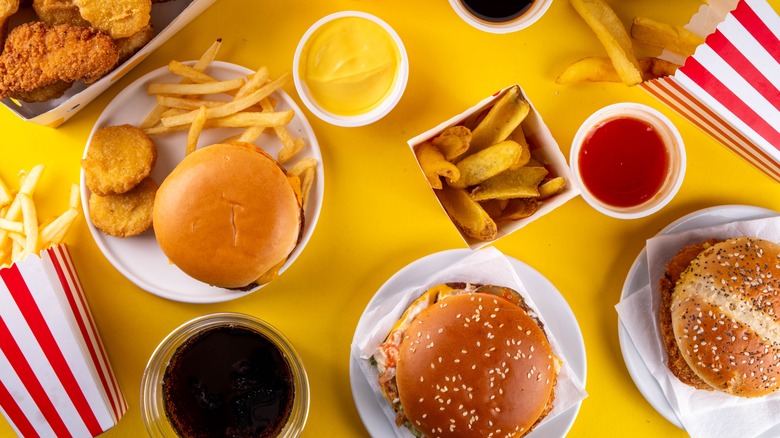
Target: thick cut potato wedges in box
column 543, row 146
column 167, row 18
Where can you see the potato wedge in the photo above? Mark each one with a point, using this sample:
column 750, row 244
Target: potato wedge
column 505, row 115
column 486, row 163
column 518, row 136
column 551, row 187
column 590, row 69
column 600, row 69
column 613, row 36
column 519, row 209
column 434, row 165
column 467, row 214
column 666, row 36
column 494, row 207
column 453, row 141
column 519, row 183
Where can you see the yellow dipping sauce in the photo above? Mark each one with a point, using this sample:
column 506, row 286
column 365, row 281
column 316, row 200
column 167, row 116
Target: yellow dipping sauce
column 350, row 65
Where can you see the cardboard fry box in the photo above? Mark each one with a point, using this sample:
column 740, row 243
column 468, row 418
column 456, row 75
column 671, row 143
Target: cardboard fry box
column 55, row 377
column 729, row 88
column 542, row 144
column 166, row 18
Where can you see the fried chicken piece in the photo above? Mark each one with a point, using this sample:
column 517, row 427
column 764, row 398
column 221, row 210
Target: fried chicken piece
column 128, row 46
column 119, row 18
column 118, row 158
column 45, row 93
column 7, row 8
column 37, row 55
column 59, row 12
column 125, row 215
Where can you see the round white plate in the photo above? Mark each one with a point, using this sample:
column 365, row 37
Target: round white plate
column 140, row 258
column 548, row 301
column 638, row 278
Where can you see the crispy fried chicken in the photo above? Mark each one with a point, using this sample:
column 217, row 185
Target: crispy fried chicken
column 37, row 55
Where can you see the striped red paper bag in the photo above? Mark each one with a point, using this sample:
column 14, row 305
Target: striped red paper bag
column 730, row 87
column 55, row 378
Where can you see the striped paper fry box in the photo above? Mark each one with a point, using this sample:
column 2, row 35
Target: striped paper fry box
column 730, row 87
column 55, row 378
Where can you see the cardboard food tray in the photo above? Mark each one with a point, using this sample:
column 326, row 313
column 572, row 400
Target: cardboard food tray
column 167, row 18
column 539, row 139
column 729, row 88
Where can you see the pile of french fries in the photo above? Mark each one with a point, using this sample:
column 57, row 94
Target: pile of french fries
column 622, row 64
column 192, row 105
column 490, row 173
column 21, row 234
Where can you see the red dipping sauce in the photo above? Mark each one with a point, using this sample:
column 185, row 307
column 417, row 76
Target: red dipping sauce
column 623, row 162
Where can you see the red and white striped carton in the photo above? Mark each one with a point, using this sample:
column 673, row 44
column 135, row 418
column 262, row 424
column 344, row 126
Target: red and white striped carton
column 55, row 378
column 730, row 87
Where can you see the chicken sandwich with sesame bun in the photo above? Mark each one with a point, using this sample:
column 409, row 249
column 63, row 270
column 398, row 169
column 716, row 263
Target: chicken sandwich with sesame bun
column 720, row 316
column 468, row 360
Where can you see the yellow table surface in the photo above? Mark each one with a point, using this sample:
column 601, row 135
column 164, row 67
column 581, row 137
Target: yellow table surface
column 379, row 214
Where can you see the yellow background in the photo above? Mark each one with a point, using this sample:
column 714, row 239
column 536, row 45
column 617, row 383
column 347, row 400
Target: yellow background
column 379, row 214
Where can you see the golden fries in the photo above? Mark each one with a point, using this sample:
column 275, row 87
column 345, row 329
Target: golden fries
column 613, row 36
column 467, row 214
column 596, row 69
column 486, row 163
column 204, row 88
column 434, row 165
column 194, row 133
column 506, row 115
column 21, row 234
column 666, row 36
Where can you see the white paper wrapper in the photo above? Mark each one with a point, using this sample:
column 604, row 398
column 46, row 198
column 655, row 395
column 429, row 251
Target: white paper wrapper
column 707, row 414
column 487, row 266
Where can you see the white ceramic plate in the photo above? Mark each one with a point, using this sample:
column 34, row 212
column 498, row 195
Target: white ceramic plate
column 638, row 278
column 548, row 301
column 140, row 258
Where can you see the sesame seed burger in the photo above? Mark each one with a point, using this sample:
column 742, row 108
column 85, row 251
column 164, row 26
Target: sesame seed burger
column 468, row 360
column 720, row 316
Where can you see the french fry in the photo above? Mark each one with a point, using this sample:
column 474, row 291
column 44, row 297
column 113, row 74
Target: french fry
column 307, row 181
column 467, row 214
column 237, row 120
column 453, row 141
column 191, row 74
column 12, row 226
column 518, row 136
column 520, row 183
column 195, row 129
column 434, row 165
column 153, row 118
column 258, row 80
column 185, row 103
column 613, row 36
column 30, row 220
column 653, row 68
column 288, row 152
column 666, row 36
column 230, row 107
column 486, row 163
column 303, row 165
column 289, row 147
column 505, row 115
column 250, row 134
column 28, row 181
column 197, row 89
column 5, row 194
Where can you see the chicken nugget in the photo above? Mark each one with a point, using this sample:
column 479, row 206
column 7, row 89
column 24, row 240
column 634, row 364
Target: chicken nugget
column 59, row 12
column 118, row 158
column 135, row 42
column 119, row 18
column 125, row 215
column 42, row 94
column 7, row 8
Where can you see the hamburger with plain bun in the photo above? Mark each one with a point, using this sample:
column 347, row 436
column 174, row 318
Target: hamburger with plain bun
column 468, row 360
column 720, row 316
column 227, row 215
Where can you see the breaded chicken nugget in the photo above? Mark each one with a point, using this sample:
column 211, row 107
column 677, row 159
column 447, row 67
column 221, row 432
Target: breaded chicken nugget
column 59, row 12
column 7, row 8
column 125, row 215
column 118, row 158
column 119, row 18
column 42, row 94
column 135, row 42
column 37, row 55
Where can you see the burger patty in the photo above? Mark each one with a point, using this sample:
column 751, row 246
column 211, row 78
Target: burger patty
column 674, row 269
